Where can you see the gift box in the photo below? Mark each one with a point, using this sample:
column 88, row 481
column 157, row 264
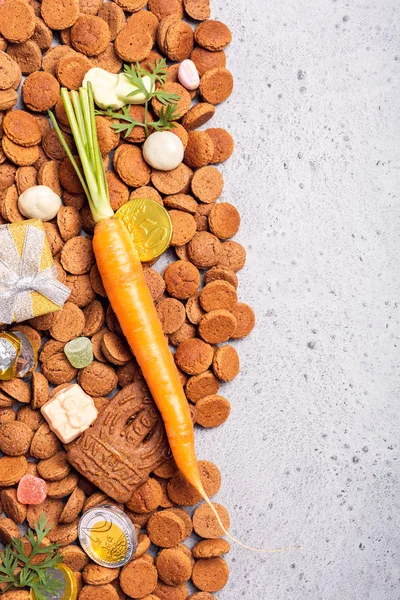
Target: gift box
column 29, row 286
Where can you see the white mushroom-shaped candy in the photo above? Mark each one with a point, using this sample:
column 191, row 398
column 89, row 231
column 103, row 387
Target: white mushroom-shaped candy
column 39, row 202
column 163, row 150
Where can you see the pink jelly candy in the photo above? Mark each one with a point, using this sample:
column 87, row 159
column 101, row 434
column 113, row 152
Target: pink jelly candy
column 188, row 75
column 31, row 490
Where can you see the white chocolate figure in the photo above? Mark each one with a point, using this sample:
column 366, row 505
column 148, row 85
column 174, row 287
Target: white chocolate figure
column 39, row 202
column 163, row 150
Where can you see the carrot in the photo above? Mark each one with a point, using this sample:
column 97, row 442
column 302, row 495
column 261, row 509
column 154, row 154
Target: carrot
column 122, row 275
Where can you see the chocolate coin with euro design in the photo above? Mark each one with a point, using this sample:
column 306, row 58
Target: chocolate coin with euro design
column 67, row 587
column 149, row 225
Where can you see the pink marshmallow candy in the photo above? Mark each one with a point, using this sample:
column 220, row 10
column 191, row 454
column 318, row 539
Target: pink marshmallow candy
column 31, row 490
column 188, row 75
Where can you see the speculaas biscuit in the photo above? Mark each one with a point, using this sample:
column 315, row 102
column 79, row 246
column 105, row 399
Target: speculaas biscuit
column 112, row 453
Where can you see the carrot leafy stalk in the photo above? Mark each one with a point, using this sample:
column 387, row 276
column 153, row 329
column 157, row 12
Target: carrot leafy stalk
column 122, row 275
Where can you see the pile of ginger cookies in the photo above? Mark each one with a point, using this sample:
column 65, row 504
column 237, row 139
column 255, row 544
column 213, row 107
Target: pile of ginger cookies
column 52, row 44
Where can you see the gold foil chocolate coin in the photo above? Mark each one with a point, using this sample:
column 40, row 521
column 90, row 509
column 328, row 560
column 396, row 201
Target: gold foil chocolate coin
column 149, row 225
column 68, row 589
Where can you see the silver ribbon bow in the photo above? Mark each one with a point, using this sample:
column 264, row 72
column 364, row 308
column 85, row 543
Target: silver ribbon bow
column 21, row 275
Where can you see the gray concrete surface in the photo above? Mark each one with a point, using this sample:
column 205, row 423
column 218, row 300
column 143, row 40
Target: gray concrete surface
column 310, row 454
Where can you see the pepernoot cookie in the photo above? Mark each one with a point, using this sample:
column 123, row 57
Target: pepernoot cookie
column 94, row 574
column 245, row 320
column 210, row 574
column 207, row 184
column 69, row 323
column 232, row 256
column 98, row 592
column 182, row 279
column 171, row 314
column 98, row 379
column 12, row 469
column 90, row 35
column 146, row 20
column 27, row 55
column 131, row 166
column 146, row 498
column 17, row 21
column 60, row 14
column 77, row 255
column 217, row 295
column 166, row 529
column 183, row 104
column 224, row 220
column 211, row 548
column 164, row 8
column 223, row 144
column 118, row 190
column 19, row 155
column 199, row 150
column 72, row 69
column 213, row 35
column 206, row 60
column 181, row 492
column 199, row 386
column 204, row 250
column 216, row 85
column 40, row 91
column 174, row 566
column 212, row 411
column 179, row 41
column 114, row 16
column 183, row 227
column 138, row 578
column 194, row 356
column 217, row 326
column 133, row 43
column 198, row 115
column 176, row 181
column 199, row 10
column 43, row 36
column 181, row 202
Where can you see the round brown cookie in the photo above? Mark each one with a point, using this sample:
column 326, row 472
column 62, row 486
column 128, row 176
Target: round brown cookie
column 3, row 44
column 211, row 548
column 12, row 508
column 181, row 492
column 218, row 273
column 204, row 250
column 194, row 311
column 17, row 21
column 43, row 322
column 27, row 55
column 167, row 469
column 212, row 411
column 155, row 283
column 182, row 279
column 12, row 470
column 107, row 136
column 40, row 390
column 19, row 155
column 118, row 190
column 216, row 85
column 199, row 386
column 72, row 69
column 133, row 44
column 44, row 443
column 7, row 415
column 96, row 282
column 131, row 5
column 148, row 192
column 74, row 558
column 77, row 201
column 166, row 529
column 62, row 488
column 183, row 227
column 176, row 181
column 69, row 323
column 94, row 318
column 138, row 518
column 217, row 326
column 8, row 531
column 137, row 135
column 245, row 319
column 201, row 222
column 8, row 99
column 185, row 332
column 206, row 60
column 182, row 134
column 60, row 14
column 164, row 8
column 213, row 35
column 40, row 91
column 183, row 104
column 210, row 574
column 54, row 468
column 51, row 59
column 174, row 566
column 218, row 295
column 98, row 592
column 68, row 177
column 199, row 150
column 146, row 498
column 112, row 321
column 90, row 7
column 15, row 438
column 199, row 10
column 186, row 518
column 25, row 178
column 58, row 370
column 82, row 292
column 43, row 36
column 115, row 349
column 98, row 379
column 73, row 506
column 43, row 122
column 17, row 389
column 90, row 35
column 232, row 256
column 48, row 175
column 114, row 16
column 201, row 596
column 77, row 255
column 179, row 41
column 51, row 347
column 226, row 363
column 108, row 60
column 30, row 417
column 181, row 202
column 198, row 115
column 144, row 19
column 131, row 166
column 194, row 356
column 171, row 314
column 88, row 223
column 143, row 545
column 69, row 222
column 223, row 144
column 7, row 175
column 207, row 184
column 94, row 574
column 169, row 592
column 224, row 220
column 138, row 578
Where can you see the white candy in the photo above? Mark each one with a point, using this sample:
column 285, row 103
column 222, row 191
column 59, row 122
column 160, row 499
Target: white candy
column 188, row 75
column 112, row 91
column 39, row 202
column 163, row 150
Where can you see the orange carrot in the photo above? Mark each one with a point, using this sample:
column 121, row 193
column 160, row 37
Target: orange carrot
column 123, row 279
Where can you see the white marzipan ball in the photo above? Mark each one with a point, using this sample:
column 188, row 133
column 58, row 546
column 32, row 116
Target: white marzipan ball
column 39, row 202
column 163, row 150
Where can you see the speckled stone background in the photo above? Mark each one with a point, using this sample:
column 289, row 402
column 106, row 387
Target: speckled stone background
column 310, row 453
